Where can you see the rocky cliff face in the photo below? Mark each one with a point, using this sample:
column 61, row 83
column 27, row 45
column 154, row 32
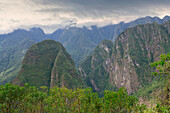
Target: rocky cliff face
column 48, row 64
column 127, row 62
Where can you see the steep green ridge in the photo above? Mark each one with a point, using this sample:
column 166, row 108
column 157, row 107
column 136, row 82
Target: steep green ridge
column 93, row 70
column 127, row 62
column 48, row 64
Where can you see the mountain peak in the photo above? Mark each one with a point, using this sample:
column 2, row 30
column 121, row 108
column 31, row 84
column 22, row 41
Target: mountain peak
column 47, row 63
column 166, row 18
column 36, row 29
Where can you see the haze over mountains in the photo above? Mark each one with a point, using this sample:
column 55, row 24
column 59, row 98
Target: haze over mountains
column 79, row 42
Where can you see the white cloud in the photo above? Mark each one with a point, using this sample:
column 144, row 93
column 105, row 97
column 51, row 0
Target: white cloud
column 52, row 14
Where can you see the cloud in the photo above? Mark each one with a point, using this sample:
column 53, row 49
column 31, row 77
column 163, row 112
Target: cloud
column 83, row 8
column 49, row 14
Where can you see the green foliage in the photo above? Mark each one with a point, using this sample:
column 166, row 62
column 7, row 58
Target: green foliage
column 120, row 102
column 21, row 99
column 29, row 99
column 163, row 70
column 147, row 91
column 162, row 65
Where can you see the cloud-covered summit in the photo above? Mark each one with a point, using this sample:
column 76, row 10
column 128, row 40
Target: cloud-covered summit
column 53, row 14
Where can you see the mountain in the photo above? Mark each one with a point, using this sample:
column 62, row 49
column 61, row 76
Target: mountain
column 92, row 69
column 47, row 63
column 79, row 42
column 13, row 47
column 126, row 63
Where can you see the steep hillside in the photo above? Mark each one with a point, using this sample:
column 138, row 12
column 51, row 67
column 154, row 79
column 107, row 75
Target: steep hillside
column 92, row 69
column 48, row 64
column 127, row 62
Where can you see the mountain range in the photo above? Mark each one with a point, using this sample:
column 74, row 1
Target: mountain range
column 79, row 42
column 126, row 63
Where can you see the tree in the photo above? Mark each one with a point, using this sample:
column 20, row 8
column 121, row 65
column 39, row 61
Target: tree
column 163, row 70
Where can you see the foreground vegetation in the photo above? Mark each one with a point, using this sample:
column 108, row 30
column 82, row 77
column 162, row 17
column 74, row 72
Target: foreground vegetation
column 163, row 70
column 29, row 99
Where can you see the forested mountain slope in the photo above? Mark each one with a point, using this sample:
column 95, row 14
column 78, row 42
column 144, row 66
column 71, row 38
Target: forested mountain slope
column 47, row 63
column 127, row 62
column 13, row 47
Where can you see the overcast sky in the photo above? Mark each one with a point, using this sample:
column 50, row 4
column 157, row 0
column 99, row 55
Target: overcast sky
column 53, row 14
